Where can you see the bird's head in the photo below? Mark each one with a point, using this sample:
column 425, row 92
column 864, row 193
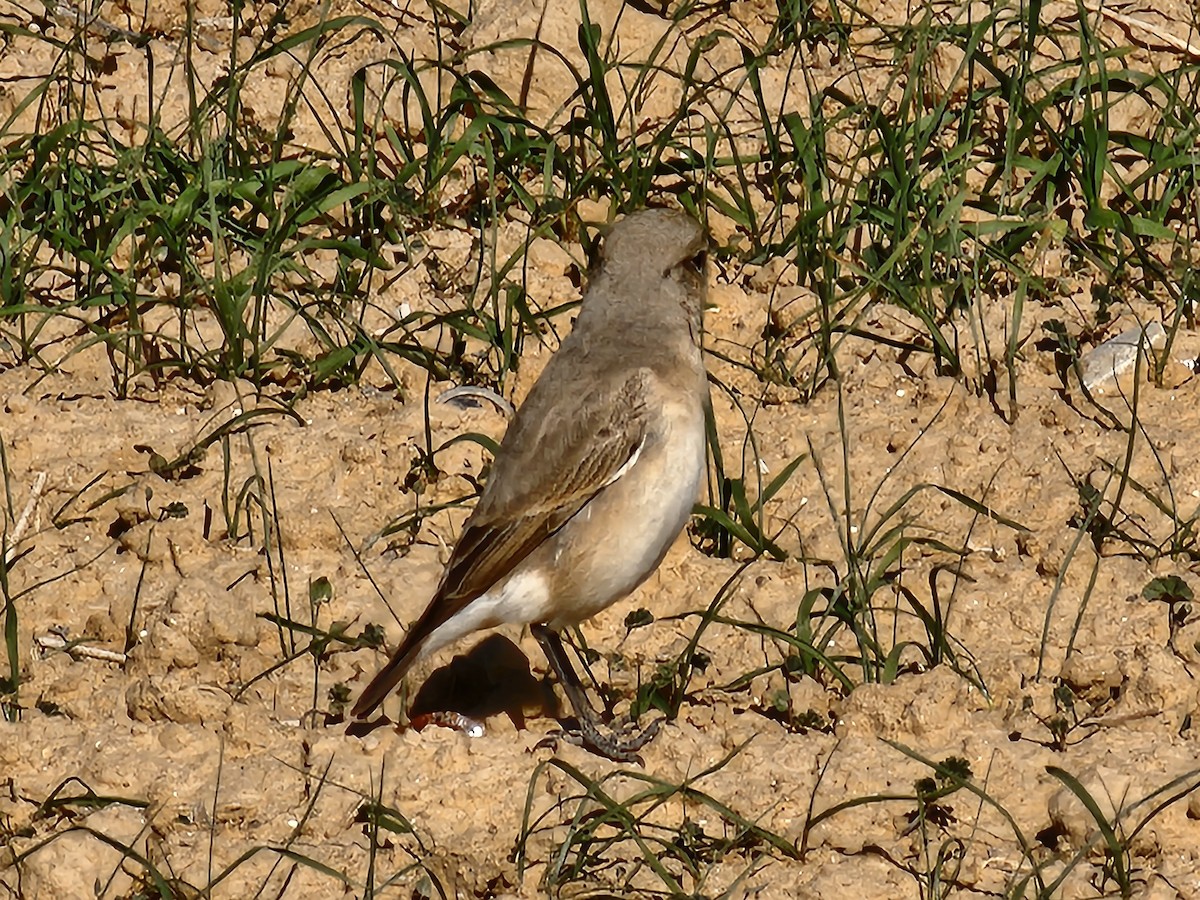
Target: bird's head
column 660, row 254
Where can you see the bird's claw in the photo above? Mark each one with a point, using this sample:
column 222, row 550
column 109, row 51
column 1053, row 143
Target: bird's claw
column 619, row 743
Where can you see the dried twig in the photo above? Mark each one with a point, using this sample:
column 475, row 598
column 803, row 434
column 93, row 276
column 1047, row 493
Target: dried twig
column 469, row 395
column 78, row 651
column 14, row 538
column 1176, row 43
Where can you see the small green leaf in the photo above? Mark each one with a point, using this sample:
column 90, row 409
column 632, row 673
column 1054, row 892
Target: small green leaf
column 1168, row 589
column 953, row 770
column 638, row 618
column 320, row 591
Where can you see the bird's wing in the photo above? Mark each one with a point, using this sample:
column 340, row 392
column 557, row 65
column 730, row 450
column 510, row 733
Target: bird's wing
column 557, row 455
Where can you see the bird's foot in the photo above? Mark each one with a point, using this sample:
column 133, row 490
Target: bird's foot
column 618, row 742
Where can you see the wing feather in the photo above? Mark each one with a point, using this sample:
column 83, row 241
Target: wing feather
column 539, row 482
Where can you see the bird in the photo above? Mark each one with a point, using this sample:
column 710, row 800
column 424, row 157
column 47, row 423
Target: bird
column 597, row 473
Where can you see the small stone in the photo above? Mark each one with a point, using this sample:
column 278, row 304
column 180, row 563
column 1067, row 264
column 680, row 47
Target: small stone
column 1119, row 354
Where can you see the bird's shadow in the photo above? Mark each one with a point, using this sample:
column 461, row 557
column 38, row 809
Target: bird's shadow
column 492, row 678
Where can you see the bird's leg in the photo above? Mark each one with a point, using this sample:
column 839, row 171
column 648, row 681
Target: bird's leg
column 594, row 734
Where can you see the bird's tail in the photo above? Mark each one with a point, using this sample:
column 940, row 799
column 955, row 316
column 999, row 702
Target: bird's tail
column 388, row 677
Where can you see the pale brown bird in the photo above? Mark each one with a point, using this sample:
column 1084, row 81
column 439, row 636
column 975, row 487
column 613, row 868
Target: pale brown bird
column 597, row 473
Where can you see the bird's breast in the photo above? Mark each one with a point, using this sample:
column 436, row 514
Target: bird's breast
column 619, row 538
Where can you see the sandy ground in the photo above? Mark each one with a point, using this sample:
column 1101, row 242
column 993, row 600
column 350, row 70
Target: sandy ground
column 218, row 730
